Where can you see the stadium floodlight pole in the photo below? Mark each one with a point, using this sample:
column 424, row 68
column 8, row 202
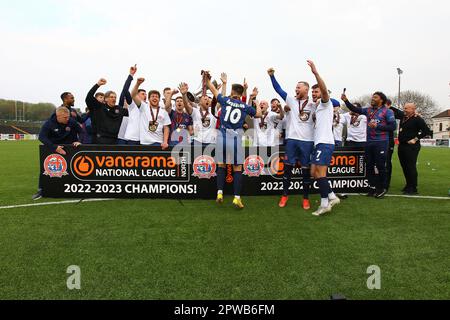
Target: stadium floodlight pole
column 400, row 72
column 15, row 104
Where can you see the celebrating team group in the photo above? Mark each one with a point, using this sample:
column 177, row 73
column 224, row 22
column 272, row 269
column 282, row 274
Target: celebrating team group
column 310, row 129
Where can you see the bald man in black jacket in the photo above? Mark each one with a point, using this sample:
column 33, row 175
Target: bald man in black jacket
column 412, row 129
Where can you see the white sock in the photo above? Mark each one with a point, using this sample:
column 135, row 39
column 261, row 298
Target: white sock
column 332, row 196
column 237, row 197
column 220, row 192
column 324, row 203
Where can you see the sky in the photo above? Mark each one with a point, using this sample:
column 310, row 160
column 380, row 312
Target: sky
column 50, row 46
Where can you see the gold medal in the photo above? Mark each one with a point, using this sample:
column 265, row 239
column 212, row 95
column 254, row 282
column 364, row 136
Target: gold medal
column 153, row 126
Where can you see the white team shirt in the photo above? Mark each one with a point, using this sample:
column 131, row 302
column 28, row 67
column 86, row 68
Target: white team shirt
column 146, row 136
column 269, row 135
column 356, row 131
column 324, row 123
column 338, row 125
column 132, row 132
column 300, row 126
column 204, row 132
column 123, row 128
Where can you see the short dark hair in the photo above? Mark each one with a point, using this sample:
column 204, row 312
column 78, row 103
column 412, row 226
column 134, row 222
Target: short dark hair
column 381, row 95
column 64, row 95
column 166, row 89
column 273, row 100
column 99, row 94
column 141, row 90
column 151, row 92
column 238, row 89
column 314, row 87
column 389, row 102
column 178, row 98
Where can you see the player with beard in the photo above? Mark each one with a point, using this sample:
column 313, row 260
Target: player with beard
column 299, row 123
column 380, row 122
column 324, row 143
column 154, row 120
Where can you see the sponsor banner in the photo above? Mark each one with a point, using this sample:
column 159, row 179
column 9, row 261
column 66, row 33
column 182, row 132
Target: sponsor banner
column 428, row 142
column 190, row 173
column 442, row 142
column 13, row 137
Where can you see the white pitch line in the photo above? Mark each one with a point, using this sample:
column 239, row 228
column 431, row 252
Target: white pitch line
column 98, row 200
column 52, row 203
column 407, row 197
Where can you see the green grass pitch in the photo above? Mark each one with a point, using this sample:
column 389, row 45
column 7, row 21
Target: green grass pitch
column 156, row 249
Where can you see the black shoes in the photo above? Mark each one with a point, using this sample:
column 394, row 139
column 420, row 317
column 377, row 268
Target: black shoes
column 372, row 192
column 381, row 193
column 37, row 195
column 410, row 192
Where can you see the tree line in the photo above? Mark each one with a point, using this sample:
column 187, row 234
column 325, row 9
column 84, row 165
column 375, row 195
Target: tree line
column 426, row 106
column 25, row 110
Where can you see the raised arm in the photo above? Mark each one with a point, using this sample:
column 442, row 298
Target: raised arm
column 399, row 114
column 253, row 96
column 211, row 87
column 184, row 88
column 281, row 115
column 350, row 106
column 322, row 86
column 258, row 110
column 134, row 92
column 168, row 103
column 125, row 94
column 244, row 94
column 283, row 94
column 224, row 79
column 91, row 102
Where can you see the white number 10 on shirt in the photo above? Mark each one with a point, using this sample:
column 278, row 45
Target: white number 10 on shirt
column 233, row 115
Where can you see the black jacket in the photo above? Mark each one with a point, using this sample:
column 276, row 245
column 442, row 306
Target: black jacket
column 54, row 133
column 106, row 121
column 414, row 127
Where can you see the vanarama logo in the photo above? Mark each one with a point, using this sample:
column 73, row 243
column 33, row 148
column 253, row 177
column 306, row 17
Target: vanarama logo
column 83, row 166
column 343, row 164
column 344, row 160
column 129, row 166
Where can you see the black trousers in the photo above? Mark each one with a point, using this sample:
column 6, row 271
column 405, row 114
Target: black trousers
column 389, row 165
column 408, row 154
column 376, row 153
